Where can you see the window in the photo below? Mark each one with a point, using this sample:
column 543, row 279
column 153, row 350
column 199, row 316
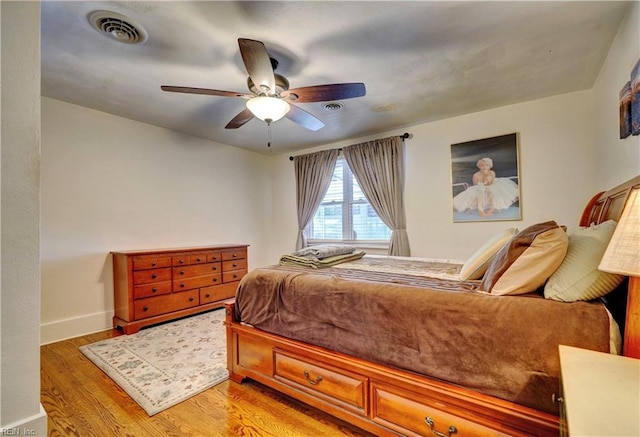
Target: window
column 345, row 213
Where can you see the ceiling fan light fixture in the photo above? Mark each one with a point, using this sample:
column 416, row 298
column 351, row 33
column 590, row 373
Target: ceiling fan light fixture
column 268, row 108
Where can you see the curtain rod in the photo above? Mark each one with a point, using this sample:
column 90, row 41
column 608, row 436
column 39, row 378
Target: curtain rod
column 404, row 136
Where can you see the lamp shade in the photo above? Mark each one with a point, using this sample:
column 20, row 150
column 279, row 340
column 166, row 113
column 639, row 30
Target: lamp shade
column 623, row 253
column 268, row 108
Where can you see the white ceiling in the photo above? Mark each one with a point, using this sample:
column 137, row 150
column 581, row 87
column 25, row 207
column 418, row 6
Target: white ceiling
column 420, row 61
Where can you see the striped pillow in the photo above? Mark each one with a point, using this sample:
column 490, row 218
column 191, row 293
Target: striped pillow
column 525, row 264
column 578, row 277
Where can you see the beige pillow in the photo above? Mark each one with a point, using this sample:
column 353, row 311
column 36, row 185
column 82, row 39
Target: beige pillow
column 477, row 264
column 527, row 261
column 578, row 277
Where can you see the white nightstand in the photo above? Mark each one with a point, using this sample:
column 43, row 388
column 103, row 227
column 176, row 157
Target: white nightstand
column 601, row 394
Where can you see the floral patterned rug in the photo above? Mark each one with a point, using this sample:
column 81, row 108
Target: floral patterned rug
column 166, row 364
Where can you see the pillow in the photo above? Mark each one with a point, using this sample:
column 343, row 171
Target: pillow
column 475, row 266
column 527, row 261
column 578, row 277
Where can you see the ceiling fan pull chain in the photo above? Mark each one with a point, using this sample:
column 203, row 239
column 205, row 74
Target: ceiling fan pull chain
column 268, row 133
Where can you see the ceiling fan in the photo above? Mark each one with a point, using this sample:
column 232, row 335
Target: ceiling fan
column 270, row 98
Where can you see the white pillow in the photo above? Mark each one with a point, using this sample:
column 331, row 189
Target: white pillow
column 477, row 264
column 578, row 277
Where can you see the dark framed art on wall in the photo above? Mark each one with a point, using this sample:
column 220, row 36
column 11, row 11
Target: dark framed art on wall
column 485, row 180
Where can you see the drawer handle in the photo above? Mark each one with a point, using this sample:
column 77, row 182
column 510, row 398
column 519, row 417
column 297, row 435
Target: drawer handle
column 234, row 264
column 310, row 381
column 207, row 295
column 235, row 276
column 145, row 309
column 181, row 261
column 198, row 259
column 181, row 285
column 234, row 255
column 214, row 268
column 452, row 429
column 154, row 276
column 154, row 289
column 215, row 279
column 556, row 399
column 182, row 272
column 153, row 264
column 191, row 299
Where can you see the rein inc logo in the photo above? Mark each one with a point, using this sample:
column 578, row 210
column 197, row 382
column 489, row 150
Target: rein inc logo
column 17, row 431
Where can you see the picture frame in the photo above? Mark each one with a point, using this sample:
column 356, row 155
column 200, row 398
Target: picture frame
column 635, row 98
column 625, row 110
column 485, row 180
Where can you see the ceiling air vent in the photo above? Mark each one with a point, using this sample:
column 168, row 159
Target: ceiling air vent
column 333, row 106
column 117, row 27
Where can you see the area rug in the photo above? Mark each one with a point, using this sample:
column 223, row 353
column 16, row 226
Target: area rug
column 166, row 364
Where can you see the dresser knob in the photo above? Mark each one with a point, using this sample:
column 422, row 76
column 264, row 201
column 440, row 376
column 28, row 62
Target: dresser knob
column 235, row 265
column 181, row 261
column 153, row 264
column 214, row 268
column 191, row 299
column 235, row 276
column 207, row 295
column 154, row 276
column 199, row 259
column 145, row 309
column 215, row 279
column 154, row 289
column 181, row 285
column 234, row 255
column 182, row 272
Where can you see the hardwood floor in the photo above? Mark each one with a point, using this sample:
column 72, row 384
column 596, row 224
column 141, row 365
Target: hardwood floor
column 82, row 401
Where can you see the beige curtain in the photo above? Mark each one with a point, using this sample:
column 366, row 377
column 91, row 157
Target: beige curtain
column 313, row 177
column 378, row 166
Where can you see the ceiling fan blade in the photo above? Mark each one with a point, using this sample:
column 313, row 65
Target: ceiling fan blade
column 189, row 90
column 239, row 120
column 258, row 64
column 325, row 93
column 304, row 119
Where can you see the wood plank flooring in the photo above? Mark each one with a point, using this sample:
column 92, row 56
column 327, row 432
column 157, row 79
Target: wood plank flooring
column 82, row 401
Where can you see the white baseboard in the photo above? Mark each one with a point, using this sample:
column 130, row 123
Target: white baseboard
column 69, row 328
column 35, row 426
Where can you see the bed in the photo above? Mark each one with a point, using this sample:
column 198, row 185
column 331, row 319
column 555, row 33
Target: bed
column 405, row 347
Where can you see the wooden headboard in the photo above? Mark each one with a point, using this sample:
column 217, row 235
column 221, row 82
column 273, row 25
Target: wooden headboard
column 608, row 206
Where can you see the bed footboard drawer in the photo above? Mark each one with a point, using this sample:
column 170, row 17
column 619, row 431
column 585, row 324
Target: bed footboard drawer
column 345, row 388
column 408, row 415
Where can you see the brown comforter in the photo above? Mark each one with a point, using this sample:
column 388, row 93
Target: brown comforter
column 504, row 346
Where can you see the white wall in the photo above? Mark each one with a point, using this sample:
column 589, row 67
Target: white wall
column 616, row 160
column 20, row 408
column 556, row 154
column 112, row 184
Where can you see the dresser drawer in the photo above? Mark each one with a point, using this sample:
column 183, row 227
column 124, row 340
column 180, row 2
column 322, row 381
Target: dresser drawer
column 233, row 276
column 196, row 270
column 405, row 414
column 151, row 263
column 151, row 275
column 198, row 258
column 231, row 254
column 216, row 293
column 197, row 282
column 154, row 306
column 330, row 384
column 153, row 289
column 237, row 264
column 214, row 256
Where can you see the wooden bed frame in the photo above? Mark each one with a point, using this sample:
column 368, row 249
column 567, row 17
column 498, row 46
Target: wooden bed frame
column 388, row 401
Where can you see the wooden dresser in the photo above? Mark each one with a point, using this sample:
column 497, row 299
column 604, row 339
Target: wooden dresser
column 153, row 286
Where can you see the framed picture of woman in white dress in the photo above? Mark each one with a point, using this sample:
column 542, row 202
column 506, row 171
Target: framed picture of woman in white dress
column 485, row 180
